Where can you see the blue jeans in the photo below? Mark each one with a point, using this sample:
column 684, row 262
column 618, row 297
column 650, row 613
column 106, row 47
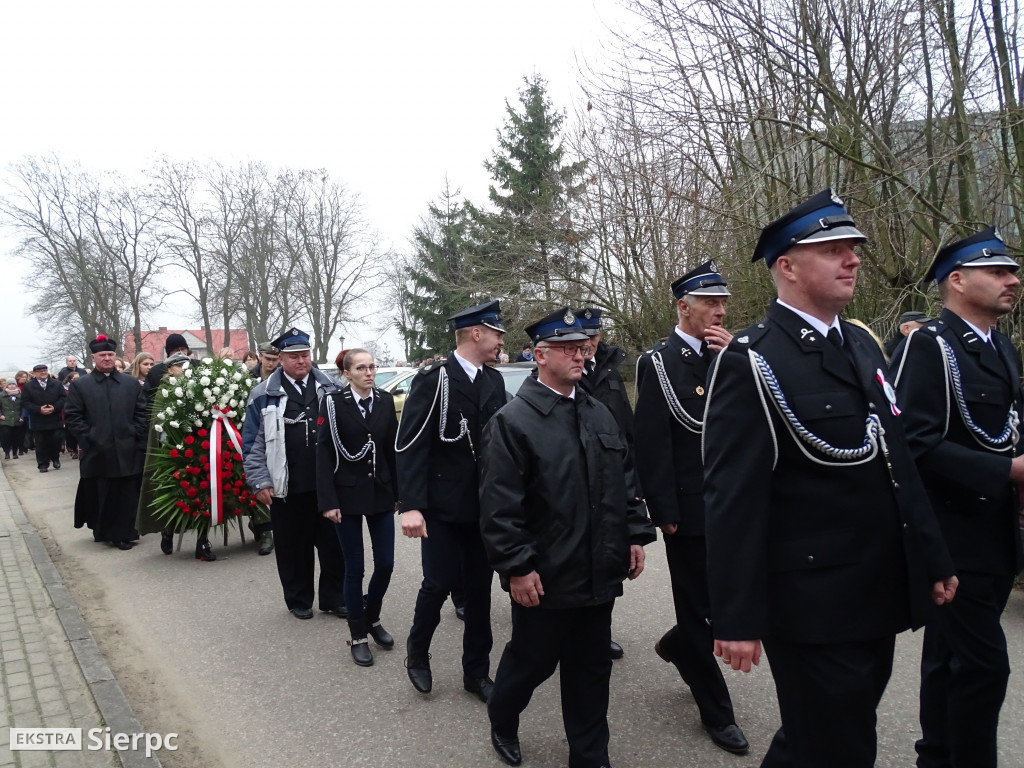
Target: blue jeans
column 382, row 538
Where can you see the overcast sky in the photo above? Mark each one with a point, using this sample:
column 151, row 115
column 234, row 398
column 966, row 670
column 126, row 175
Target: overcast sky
column 390, row 98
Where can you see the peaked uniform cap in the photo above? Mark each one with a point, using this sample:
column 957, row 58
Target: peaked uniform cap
column 292, row 340
column 488, row 313
column 560, row 325
column 590, row 320
column 982, row 249
column 818, row 219
column 702, row 281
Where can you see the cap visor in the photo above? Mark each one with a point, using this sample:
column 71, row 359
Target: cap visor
column 836, row 233
column 711, row 290
column 995, row 260
column 567, row 336
column 496, row 326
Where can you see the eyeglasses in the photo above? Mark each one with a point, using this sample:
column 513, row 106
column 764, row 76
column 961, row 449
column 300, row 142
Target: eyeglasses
column 365, row 368
column 569, row 350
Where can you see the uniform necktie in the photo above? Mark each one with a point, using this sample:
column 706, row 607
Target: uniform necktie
column 366, row 406
column 704, row 349
column 301, row 386
column 835, row 337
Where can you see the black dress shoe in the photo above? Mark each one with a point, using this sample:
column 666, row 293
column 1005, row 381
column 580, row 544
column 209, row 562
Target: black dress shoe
column 507, row 748
column 481, row 686
column 56, row 463
column 124, row 546
column 729, row 737
column 418, row 667
column 167, row 543
column 666, row 649
column 460, row 612
column 302, row 613
column 266, row 543
column 339, row 610
column 43, row 469
column 616, row 650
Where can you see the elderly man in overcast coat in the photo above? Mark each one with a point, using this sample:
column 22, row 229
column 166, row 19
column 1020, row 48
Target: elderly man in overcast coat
column 106, row 413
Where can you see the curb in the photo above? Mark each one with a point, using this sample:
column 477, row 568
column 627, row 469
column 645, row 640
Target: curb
column 113, row 705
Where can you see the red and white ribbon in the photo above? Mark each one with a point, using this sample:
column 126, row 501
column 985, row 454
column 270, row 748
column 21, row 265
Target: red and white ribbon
column 220, row 420
column 890, row 393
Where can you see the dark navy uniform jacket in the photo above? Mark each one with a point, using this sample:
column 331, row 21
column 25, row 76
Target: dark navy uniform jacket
column 801, row 546
column 437, row 477
column 668, row 453
column 967, row 480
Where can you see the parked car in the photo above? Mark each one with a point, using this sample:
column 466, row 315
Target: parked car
column 515, row 374
column 384, row 375
column 397, row 384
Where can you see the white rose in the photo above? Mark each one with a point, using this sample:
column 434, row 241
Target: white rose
column 188, row 373
column 220, row 380
column 179, row 392
column 158, row 427
column 164, row 392
column 207, row 361
column 199, row 422
column 174, row 424
column 231, row 414
column 237, row 376
column 205, row 381
column 216, row 390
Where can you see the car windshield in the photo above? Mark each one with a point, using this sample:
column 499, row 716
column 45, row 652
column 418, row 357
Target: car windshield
column 383, row 377
column 514, row 378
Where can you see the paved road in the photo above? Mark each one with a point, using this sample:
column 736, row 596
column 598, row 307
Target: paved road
column 209, row 651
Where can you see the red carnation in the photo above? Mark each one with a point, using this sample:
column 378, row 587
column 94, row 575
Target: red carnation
column 176, row 475
column 192, row 493
column 202, row 433
column 173, row 453
column 203, row 484
column 206, row 445
column 237, row 457
column 188, row 453
column 184, row 484
column 189, row 440
column 319, row 420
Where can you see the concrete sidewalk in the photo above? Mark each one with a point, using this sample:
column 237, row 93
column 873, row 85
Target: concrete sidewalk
column 52, row 673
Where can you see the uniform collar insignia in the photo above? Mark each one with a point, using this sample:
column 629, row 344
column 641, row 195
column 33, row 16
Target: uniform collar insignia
column 743, row 339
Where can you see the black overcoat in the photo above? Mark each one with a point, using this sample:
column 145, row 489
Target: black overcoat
column 967, row 479
column 366, row 486
column 668, row 444
column 34, row 397
column 440, row 478
column 801, row 546
column 108, row 415
column 557, row 497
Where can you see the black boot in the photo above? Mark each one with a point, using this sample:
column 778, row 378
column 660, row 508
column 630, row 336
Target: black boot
column 361, row 653
column 167, row 542
column 380, row 635
column 204, row 551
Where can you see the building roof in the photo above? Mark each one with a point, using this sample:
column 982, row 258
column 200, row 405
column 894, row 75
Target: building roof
column 153, row 341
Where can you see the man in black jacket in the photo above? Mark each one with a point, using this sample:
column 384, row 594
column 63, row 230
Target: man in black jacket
column 959, row 388
column 43, row 397
column 602, row 381
column 563, row 528
column 671, row 382
column 438, row 447
column 107, row 414
column 820, row 539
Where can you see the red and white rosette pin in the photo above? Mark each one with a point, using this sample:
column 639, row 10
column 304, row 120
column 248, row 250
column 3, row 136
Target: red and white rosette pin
column 890, row 393
column 221, row 425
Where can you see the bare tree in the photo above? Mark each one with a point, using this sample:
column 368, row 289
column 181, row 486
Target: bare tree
column 337, row 259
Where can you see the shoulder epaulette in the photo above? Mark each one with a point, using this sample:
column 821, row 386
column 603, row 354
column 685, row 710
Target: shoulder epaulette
column 749, row 336
column 429, row 367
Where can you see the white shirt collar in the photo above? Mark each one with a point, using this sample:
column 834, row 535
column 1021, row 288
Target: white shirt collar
column 819, row 326
column 571, row 395
column 981, row 334
column 693, row 341
column 294, row 382
column 470, row 369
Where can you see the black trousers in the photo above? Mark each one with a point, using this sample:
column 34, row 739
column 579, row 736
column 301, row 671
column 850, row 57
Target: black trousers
column 827, row 696
column 454, row 553
column 47, row 445
column 576, row 641
column 964, row 672
column 299, row 528
column 691, row 640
